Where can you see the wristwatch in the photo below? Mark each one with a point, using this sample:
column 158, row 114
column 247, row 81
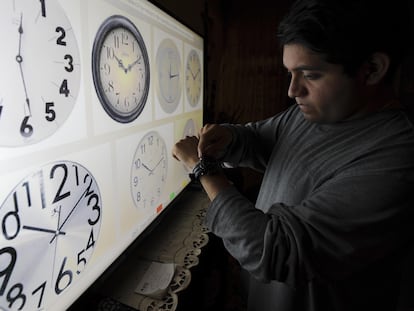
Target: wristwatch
column 206, row 166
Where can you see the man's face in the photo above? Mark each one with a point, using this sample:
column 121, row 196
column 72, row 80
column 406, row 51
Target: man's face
column 322, row 91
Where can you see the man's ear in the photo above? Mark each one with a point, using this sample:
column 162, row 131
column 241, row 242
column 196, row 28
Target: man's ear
column 377, row 68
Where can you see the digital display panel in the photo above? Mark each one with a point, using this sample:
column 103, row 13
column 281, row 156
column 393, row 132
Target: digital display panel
column 93, row 95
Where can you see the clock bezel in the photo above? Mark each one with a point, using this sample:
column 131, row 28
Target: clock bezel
column 109, row 24
column 132, row 170
column 166, row 106
column 193, row 104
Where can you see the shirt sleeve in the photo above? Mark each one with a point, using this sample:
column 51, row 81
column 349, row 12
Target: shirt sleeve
column 342, row 227
column 253, row 142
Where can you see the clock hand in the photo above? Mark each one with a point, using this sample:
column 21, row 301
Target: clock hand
column 43, row 230
column 147, row 168
column 121, row 64
column 191, row 71
column 134, row 63
column 19, row 60
column 67, row 217
column 159, row 162
column 198, row 71
column 151, row 171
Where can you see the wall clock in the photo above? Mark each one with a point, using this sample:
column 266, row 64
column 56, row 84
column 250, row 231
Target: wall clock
column 169, row 75
column 189, row 128
column 40, row 70
column 193, row 77
column 120, row 69
column 149, row 171
column 49, row 229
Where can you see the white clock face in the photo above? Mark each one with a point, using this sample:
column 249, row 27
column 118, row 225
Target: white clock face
column 121, row 69
column 49, row 229
column 193, row 77
column 40, row 70
column 169, row 75
column 189, row 128
column 149, row 171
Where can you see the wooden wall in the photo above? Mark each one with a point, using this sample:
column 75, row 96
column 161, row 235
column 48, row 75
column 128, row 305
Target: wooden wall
column 246, row 78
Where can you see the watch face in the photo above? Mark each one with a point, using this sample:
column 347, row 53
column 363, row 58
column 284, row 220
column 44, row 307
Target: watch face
column 193, row 78
column 50, row 227
column 149, row 171
column 169, row 75
column 120, row 69
column 40, row 70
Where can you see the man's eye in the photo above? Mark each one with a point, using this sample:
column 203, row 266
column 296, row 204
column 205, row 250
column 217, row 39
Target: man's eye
column 312, row 76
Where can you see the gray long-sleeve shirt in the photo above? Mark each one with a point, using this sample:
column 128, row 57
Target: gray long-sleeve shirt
column 334, row 212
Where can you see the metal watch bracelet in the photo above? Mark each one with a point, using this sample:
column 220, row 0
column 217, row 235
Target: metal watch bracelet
column 205, row 166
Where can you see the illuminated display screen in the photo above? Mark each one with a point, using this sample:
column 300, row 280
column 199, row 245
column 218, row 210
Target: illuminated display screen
column 93, row 95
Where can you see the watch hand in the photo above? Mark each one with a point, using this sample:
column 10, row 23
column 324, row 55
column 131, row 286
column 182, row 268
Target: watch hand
column 134, row 63
column 70, row 214
column 55, row 232
column 19, row 60
column 173, row 76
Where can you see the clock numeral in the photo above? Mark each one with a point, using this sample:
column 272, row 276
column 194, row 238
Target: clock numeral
column 26, row 130
column 50, row 112
column 60, row 40
column 64, row 88
column 138, row 197
column 69, row 67
column 150, row 140
column 59, row 195
column 138, row 164
column 12, row 215
column 10, row 254
column 106, row 68
column 116, row 41
column 43, row 5
column 95, row 207
column 1, row 109
column 110, row 53
column 91, row 241
column 81, row 259
column 88, row 191
column 26, row 186
column 135, row 181
column 15, row 294
column 143, row 148
column 62, row 275
column 42, row 291
column 110, row 88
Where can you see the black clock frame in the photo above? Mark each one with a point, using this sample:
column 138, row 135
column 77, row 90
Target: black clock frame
column 112, row 22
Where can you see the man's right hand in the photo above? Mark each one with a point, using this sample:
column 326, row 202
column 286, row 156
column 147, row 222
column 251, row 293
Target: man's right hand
column 213, row 140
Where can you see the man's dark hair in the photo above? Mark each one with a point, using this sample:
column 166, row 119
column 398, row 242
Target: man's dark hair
column 348, row 32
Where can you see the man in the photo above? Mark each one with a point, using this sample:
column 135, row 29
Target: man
column 333, row 218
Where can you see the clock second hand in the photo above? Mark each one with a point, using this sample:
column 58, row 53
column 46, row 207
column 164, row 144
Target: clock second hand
column 19, row 60
column 67, row 217
column 151, row 171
